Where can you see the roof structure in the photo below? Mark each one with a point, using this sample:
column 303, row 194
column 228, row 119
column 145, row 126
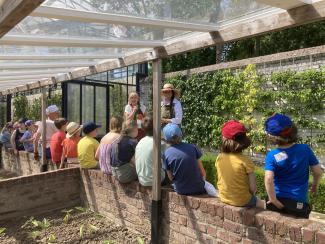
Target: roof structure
column 45, row 42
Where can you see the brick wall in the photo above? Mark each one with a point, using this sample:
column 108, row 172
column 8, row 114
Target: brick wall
column 23, row 164
column 35, row 194
column 189, row 219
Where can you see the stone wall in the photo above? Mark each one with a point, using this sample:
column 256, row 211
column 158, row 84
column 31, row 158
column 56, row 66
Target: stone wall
column 39, row 193
column 23, row 164
column 193, row 219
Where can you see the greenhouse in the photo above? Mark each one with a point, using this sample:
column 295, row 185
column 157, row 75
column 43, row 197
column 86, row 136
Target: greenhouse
column 246, row 62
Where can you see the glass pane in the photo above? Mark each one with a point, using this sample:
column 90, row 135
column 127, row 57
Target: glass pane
column 101, row 107
column 73, row 102
column 117, row 99
column 87, row 103
column 198, row 11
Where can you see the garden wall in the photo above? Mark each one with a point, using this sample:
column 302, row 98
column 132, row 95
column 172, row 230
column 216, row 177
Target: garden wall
column 196, row 219
column 23, row 164
column 39, row 193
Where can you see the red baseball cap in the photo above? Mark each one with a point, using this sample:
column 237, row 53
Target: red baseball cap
column 232, row 128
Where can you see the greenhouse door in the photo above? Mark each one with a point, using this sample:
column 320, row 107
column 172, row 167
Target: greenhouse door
column 86, row 101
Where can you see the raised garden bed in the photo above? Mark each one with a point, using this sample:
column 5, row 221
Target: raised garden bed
column 77, row 225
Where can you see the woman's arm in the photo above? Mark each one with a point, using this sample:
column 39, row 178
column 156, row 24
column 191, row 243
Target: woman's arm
column 170, row 175
column 269, row 185
column 252, row 183
column 202, row 170
column 317, row 176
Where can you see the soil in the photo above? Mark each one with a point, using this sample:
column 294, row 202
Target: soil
column 106, row 231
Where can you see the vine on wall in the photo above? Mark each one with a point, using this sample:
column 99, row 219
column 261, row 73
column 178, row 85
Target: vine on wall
column 32, row 109
column 210, row 99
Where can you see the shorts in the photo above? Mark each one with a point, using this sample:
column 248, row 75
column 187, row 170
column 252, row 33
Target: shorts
column 252, row 202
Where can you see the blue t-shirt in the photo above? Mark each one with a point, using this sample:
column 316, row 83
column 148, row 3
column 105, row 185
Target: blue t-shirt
column 291, row 170
column 29, row 147
column 181, row 160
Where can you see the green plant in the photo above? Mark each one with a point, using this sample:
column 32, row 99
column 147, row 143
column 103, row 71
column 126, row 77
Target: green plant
column 20, row 104
column 42, row 226
column 87, row 228
column 28, row 222
column 67, row 216
column 2, row 231
column 140, row 240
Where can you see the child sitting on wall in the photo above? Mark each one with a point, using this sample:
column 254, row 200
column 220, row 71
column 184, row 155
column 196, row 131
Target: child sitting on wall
column 287, row 169
column 183, row 164
column 236, row 179
column 88, row 146
column 56, row 141
column 27, row 138
column 122, row 154
column 70, row 145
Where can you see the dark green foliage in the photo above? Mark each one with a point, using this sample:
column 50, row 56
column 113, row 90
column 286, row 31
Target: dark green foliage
column 210, row 99
column 318, row 201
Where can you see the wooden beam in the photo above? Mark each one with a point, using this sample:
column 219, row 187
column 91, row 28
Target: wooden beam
column 156, row 184
column 287, row 4
column 13, row 11
column 245, row 62
column 274, row 22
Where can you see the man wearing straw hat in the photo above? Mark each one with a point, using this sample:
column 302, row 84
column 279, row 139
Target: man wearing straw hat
column 171, row 107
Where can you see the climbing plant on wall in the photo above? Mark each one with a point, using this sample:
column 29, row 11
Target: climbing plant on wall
column 210, row 99
column 32, row 108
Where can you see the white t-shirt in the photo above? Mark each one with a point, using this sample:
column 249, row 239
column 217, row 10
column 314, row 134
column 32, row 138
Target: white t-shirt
column 50, row 130
column 128, row 111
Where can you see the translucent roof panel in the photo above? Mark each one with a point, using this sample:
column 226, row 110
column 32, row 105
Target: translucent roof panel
column 64, row 28
column 191, row 11
column 29, row 50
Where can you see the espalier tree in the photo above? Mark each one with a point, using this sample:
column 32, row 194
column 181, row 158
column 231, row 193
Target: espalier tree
column 210, row 99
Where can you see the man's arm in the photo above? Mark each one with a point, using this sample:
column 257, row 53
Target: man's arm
column 269, row 185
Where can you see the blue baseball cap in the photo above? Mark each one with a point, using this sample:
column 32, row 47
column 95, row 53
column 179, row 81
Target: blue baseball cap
column 278, row 125
column 29, row 122
column 171, row 130
column 89, row 127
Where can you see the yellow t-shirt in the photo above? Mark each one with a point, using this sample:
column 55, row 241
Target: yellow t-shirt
column 87, row 148
column 233, row 184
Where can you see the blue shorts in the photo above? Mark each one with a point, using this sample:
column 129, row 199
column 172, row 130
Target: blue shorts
column 252, row 202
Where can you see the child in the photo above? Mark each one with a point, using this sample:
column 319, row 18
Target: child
column 70, row 144
column 27, row 139
column 87, row 147
column 236, row 179
column 183, row 164
column 122, row 154
column 56, row 141
column 287, row 169
column 136, row 112
column 5, row 135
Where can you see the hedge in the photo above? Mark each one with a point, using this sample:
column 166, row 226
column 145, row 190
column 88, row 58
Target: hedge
column 317, row 202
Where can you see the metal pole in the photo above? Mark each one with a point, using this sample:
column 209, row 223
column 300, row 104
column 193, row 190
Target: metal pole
column 44, row 161
column 156, row 185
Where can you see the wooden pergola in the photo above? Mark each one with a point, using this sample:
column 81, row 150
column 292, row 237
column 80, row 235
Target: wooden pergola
column 20, row 71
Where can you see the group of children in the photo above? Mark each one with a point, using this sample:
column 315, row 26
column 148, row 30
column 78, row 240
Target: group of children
column 128, row 157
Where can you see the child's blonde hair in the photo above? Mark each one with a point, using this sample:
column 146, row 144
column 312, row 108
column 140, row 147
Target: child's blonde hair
column 133, row 94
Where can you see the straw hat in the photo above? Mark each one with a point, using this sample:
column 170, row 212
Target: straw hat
column 170, row 87
column 72, row 129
